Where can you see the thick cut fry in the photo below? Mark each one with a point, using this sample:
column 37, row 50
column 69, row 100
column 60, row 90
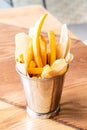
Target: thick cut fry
column 45, row 72
column 62, row 46
column 52, row 41
column 59, row 66
column 43, row 49
column 21, row 40
column 36, row 43
column 35, row 71
column 62, row 71
column 29, row 53
column 58, row 63
column 32, row 64
column 54, row 73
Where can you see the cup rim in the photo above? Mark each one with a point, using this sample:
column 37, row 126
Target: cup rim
column 39, row 79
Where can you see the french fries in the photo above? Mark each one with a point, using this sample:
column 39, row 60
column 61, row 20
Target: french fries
column 35, row 71
column 60, row 66
column 32, row 64
column 32, row 52
column 52, row 42
column 45, row 72
column 43, row 49
column 36, row 45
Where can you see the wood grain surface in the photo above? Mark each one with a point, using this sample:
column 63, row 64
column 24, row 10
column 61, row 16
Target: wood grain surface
column 13, row 118
column 27, row 17
column 74, row 98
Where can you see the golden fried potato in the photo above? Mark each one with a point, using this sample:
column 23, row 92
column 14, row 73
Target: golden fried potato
column 45, row 72
column 52, row 42
column 36, row 42
column 35, row 71
column 43, row 49
column 32, row 64
column 33, row 57
column 59, row 66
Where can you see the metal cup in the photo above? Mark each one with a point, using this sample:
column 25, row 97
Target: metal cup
column 42, row 95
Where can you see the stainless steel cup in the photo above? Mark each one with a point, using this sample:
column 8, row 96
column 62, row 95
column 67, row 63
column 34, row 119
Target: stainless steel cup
column 42, row 95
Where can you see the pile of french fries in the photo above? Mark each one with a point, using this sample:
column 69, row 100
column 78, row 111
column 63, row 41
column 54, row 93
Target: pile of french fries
column 39, row 59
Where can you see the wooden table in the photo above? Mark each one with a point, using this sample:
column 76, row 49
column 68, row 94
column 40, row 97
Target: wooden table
column 73, row 113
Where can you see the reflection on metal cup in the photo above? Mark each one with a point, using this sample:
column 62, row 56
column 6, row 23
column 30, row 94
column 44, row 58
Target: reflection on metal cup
column 42, row 95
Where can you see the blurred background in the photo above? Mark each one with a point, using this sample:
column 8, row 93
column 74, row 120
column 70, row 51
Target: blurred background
column 73, row 13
